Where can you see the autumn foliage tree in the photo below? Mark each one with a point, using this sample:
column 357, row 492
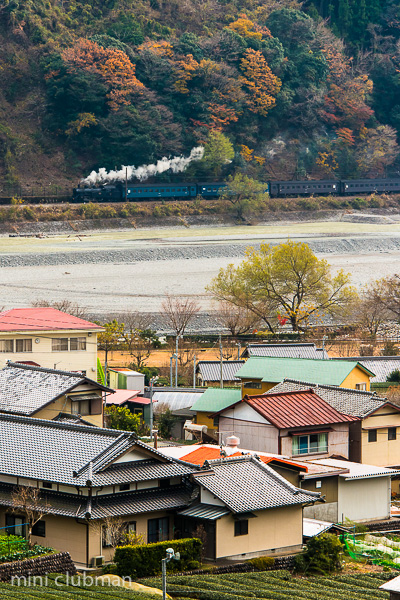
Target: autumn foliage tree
column 113, row 66
column 262, row 84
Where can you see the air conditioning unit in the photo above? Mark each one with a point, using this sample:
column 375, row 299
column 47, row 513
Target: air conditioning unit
column 97, row 561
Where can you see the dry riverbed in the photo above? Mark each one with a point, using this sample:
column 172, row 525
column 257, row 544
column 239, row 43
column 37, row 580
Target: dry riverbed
column 114, row 271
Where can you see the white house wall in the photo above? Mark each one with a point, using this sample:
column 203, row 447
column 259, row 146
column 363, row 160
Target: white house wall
column 364, row 499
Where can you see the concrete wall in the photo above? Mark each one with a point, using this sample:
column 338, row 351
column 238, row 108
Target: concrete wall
column 268, row 531
column 324, row 512
column 356, row 376
column 75, row 360
column 383, row 452
column 255, row 436
column 364, row 499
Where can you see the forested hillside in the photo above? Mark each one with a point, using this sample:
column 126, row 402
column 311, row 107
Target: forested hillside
column 272, row 88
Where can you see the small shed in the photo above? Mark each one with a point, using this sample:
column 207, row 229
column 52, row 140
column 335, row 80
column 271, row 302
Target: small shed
column 126, row 379
column 392, row 586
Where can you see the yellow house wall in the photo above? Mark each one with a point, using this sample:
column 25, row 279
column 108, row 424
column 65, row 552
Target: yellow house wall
column 265, row 386
column 63, row 404
column 75, row 360
column 270, row 530
column 356, row 376
column 203, row 418
column 383, row 452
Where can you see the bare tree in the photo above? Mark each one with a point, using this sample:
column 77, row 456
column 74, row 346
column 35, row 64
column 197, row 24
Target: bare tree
column 374, row 307
column 134, row 322
column 114, row 531
column 66, row 306
column 27, row 501
column 236, row 319
column 179, row 312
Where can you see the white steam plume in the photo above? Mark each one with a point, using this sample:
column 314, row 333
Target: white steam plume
column 177, row 164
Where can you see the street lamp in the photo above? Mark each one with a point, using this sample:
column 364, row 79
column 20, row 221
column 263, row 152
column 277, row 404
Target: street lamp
column 171, row 555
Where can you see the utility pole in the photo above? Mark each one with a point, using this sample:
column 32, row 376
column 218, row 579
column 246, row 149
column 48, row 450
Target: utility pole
column 194, row 371
column 126, row 184
column 176, row 360
column 239, row 350
column 151, row 408
column 221, row 382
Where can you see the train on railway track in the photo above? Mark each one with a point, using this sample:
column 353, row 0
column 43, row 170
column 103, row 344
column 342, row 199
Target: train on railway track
column 121, row 192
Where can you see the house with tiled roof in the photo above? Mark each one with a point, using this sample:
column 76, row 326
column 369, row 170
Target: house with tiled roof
column 297, row 423
column 285, row 350
column 375, row 437
column 87, row 476
column 246, row 508
column 49, row 338
column 51, row 394
column 382, row 366
column 210, row 372
column 259, row 374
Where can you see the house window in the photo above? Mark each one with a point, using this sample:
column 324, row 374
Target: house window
column 15, row 525
column 80, row 407
column 254, row 385
column 47, row 485
column 392, row 433
column 318, row 484
column 39, row 529
column 361, row 386
column 242, row 527
column 372, row 435
column 78, row 343
column 157, row 530
column 309, row 444
column 124, row 487
column 216, row 422
column 24, row 345
column 165, row 483
column 59, row 345
column 131, row 527
column 6, row 345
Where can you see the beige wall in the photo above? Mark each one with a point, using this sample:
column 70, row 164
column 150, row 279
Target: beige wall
column 364, row 499
column 328, row 510
column 383, row 452
column 269, row 530
column 82, row 360
column 63, row 404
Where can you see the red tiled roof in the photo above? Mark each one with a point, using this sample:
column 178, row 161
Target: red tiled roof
column 302, row 408
column 42, row 319
column 199, row 456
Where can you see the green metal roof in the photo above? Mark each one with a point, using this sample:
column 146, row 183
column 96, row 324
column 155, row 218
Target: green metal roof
column 216, row 399
column 272, row 369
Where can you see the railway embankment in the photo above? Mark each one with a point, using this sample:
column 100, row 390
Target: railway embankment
column 53, row 220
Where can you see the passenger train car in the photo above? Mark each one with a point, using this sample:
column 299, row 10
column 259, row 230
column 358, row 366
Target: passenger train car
column 120, row 192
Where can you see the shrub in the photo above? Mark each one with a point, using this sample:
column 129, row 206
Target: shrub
column 321, row 555
column 262, row 563
column 145, row 560
column 394, row 376
column 192, row 565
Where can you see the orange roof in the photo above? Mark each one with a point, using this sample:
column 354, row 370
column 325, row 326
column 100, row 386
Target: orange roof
column 42, row 319
column 199, row 456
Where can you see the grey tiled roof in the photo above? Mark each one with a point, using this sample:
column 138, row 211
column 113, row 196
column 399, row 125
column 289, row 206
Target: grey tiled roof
column 286, row 350
column 246, row 484
column 208, row 512
column 126, row 503
column 382, row 366
column 25, row 389
column 211, row 370
column 348, row 401
column 141, row 470
column 53, row 451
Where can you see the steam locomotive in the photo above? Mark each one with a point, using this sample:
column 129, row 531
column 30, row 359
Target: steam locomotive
column 120, row 192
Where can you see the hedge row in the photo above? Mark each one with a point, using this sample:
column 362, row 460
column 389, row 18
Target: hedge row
column 145, row 560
